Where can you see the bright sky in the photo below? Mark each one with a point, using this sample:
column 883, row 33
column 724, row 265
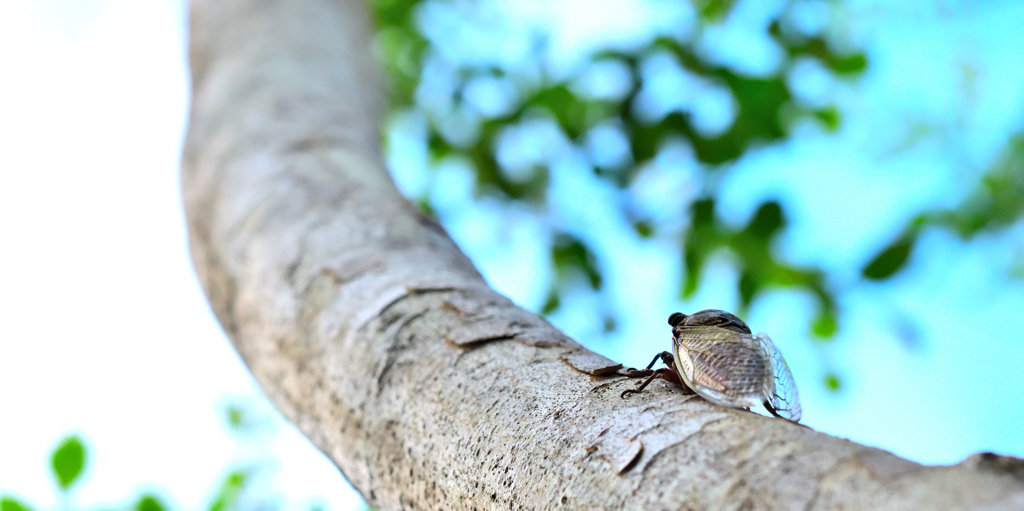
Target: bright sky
column 107, row 332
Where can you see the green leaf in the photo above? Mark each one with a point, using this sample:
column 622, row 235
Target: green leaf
column 569, row 252
column 230, row 491
column 748, row 288
column 698, row 243
column 552, row 303
column 643, row 228
column 890, row 260
column 567, row 109
column 832, row 382
column 149, row 503
column 703, row 212
column 68, row 462
column 829, row 117
column 767, row 220
column 10, row 504
column 609, row 324
column 848, row 64
column 236, row 417
column 715, row 10
column 691, row 279
column 825, row 325
column 428, row 209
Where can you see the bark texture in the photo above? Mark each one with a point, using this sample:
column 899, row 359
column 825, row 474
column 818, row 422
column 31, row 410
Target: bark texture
column 372, row 332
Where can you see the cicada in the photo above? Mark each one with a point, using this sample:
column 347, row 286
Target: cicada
column 715, row 355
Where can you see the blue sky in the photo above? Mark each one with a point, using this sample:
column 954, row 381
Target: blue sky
column 94, row 101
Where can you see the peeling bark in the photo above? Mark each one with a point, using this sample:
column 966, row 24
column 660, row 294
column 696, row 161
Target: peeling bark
column 371, row 331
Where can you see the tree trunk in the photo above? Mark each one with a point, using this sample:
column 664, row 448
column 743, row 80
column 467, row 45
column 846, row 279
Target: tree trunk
column 372, row 332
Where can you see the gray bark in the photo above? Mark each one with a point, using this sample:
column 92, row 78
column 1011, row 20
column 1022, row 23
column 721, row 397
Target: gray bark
column 370, row 330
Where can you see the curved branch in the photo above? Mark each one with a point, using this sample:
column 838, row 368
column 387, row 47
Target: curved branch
column 377, row 337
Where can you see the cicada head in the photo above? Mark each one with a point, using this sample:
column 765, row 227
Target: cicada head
column 709, row 317
column 676, row 318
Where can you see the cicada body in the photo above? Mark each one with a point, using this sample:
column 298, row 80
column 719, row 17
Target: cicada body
column 716, row 356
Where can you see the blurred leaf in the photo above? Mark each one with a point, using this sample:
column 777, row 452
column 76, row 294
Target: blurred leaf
column 149, row 503
column 400, row 47
column 427, row 208
column 847, row 64
column 704, row 213
column 564, row 106
column 714, row 10
column 844, row 65
column 748, row 288
column 825, row 325
column 832, row 382
column 570, row 253
column 551, row 304
column 643, row 228
column 11, row 504
column 759, row 268
column 766, row 221
column 236, row 416
column 230, row 491
column 998, row 202
column 691, row 277
column 829, row 117
column 760, row 102
column 760, row 118
column 609, row 324
column 438, row 146
column 699, row 242
column 890, row 260
column 68, row 461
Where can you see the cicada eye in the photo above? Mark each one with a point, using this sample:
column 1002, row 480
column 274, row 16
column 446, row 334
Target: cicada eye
column 676, row 318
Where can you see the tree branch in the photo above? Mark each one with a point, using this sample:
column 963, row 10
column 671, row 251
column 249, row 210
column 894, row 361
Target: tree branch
column 372, row 332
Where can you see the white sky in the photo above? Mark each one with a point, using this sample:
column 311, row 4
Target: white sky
column 93, row 99
column 106, row 332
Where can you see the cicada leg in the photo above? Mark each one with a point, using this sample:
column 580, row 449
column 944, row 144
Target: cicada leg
column 669, row 373
column 633, row 373
column 665, row 357
column 673, row 376
column 647, row 382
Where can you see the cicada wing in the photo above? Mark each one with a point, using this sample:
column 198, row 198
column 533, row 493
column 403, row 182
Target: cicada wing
column 784, row 397
column 725, row 367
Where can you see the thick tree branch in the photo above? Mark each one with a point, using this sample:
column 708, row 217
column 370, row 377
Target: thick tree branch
column 378, row 338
